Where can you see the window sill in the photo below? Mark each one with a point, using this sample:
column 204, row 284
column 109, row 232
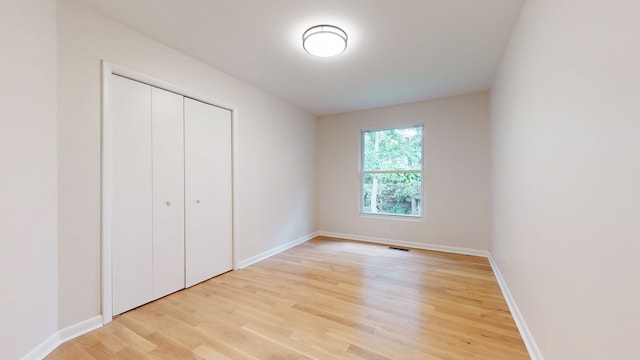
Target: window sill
column 394, row 217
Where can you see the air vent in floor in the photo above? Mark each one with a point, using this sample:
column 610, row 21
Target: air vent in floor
column 397, row 248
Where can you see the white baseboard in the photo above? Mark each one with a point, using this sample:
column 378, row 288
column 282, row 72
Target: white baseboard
column 529, row 341
column 45, row 348
column 269, row 253
column 61, row 336
column 79, row 329
column 409, row 244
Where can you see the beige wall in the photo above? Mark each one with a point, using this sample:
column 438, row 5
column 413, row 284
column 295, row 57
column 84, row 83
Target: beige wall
column 566, row 175
column 276, row 186
column 457, row 173
column 28, row 240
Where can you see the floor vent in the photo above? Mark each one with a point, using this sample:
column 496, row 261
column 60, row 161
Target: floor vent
column 397, row 248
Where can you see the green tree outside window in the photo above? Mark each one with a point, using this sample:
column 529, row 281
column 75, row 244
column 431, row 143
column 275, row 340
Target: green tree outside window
column 391, row 172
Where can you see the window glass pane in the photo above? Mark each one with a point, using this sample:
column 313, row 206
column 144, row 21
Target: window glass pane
column 392, row 193
column 395, row 149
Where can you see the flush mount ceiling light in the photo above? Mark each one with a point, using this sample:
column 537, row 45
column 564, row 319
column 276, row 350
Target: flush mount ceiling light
column 324, row 40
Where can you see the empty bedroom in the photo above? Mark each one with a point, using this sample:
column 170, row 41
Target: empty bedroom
column 411, row 179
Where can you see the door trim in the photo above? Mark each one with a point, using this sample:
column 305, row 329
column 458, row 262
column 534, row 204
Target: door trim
column 108, row 69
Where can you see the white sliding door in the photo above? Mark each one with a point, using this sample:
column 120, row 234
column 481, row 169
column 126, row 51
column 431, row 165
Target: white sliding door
column 131, row 213
column 168, row 192
column 208, row 223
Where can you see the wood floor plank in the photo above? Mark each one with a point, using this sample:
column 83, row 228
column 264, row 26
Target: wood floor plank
column 324, row 299
column 70, row 350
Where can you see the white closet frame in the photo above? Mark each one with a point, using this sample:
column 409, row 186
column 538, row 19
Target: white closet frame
column 106, row 168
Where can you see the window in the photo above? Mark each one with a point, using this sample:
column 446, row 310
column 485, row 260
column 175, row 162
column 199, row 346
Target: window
column 391, row 171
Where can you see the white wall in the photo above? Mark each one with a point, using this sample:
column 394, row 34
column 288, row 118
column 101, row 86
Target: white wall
column 566, row 175
column 276, row 150
column 457, row 173
column 28, row 210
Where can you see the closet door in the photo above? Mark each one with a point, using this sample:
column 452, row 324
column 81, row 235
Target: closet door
column 168, row 192
column 131, row 193
column 208, row 224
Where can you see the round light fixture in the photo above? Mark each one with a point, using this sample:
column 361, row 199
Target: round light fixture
column 324, row 40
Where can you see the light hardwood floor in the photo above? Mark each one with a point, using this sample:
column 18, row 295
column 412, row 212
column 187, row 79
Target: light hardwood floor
column 324, row 299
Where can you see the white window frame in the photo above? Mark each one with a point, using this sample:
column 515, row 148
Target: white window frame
column 362, row 173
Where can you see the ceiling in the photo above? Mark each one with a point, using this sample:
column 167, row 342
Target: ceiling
column 399, row 51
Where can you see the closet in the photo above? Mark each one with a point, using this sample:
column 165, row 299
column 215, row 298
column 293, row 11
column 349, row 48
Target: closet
column 170, row 192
